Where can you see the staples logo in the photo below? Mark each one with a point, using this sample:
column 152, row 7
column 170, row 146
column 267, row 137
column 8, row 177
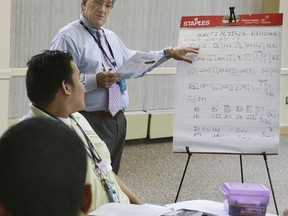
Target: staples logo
column 196, row 22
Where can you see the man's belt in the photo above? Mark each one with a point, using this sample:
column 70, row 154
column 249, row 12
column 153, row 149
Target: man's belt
column 105, row 113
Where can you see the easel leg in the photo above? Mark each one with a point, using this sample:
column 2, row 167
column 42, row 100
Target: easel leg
column 189, row 155
column 265, row 159
column 241, row 169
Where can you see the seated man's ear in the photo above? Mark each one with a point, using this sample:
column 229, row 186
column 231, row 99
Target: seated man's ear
column 86, row 199
column 66, row 87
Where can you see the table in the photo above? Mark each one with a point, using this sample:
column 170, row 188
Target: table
column 121, row 209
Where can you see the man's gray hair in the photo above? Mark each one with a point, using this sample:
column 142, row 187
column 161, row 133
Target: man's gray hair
column 81, row 9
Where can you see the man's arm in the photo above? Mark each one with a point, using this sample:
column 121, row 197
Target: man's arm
column 131, row 195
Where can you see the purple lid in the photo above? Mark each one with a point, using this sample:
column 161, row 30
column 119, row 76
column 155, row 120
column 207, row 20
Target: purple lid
column 252, row 189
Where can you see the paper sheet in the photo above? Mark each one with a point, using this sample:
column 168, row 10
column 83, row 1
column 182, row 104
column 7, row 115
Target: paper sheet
column 207, row 206
column 139, row 63
column 227, row 101
column 121, row 209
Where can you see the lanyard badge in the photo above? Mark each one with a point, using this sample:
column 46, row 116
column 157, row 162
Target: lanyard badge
column 101, row 170
column 122, row 85
column 100, row 167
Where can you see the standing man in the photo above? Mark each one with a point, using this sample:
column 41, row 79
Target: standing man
column 98, row 52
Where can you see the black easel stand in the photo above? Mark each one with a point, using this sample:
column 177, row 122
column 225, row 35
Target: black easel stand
column 265, row 159
column 189, row 156
column 242, row 179
column 241, row 169
column 232, row 15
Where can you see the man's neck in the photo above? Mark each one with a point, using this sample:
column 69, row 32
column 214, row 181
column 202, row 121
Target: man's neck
column 54, row 110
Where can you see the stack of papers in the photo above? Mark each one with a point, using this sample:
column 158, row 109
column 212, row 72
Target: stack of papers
column 137, row 65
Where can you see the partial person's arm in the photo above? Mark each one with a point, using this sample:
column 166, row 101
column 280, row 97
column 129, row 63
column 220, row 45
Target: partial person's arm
column 179, row 53
column 107, row 79
column 131, row 195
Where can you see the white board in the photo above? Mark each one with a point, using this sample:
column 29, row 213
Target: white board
column 227, row 101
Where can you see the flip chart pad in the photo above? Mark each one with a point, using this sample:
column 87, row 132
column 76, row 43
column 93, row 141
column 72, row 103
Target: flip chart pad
column 227, row 101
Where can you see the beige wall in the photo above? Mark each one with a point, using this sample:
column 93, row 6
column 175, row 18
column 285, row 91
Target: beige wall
column 284, row 63
column 5, row 14
column 284, row 55
column 271, row 6
column 166, row 35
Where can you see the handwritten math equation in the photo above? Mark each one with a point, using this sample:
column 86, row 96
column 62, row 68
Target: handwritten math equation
column 232, row 88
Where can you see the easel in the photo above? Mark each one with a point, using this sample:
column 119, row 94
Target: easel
column 198, row 128
column 231, row 18
column 242, row 178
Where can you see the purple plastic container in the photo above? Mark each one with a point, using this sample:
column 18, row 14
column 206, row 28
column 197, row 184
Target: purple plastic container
column 245, row 198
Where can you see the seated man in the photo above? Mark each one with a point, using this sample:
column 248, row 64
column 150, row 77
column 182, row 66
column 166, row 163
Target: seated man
column 55, row 90
column 43, row 168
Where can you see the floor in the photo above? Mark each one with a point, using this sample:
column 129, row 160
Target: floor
column 154, row 172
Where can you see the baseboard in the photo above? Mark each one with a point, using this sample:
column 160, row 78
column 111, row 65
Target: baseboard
column 137, row 125
column 151, row 124
column 283, row 129
column 160, row 123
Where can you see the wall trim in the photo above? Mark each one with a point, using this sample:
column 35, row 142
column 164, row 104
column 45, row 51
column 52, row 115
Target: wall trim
column 284, row 71
column 283, row 127
column 156, row 71
column 5, row 74
column 18, row 71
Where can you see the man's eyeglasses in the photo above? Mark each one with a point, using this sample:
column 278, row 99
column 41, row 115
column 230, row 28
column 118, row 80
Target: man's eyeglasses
column 99, row 3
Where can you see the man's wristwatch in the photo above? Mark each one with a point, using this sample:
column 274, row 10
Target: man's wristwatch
column 167, row 52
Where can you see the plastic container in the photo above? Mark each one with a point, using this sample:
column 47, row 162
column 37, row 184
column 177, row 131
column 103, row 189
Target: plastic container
column 245, row 199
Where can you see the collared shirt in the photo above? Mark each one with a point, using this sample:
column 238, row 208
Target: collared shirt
column 75, row 39
column 99, row 195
